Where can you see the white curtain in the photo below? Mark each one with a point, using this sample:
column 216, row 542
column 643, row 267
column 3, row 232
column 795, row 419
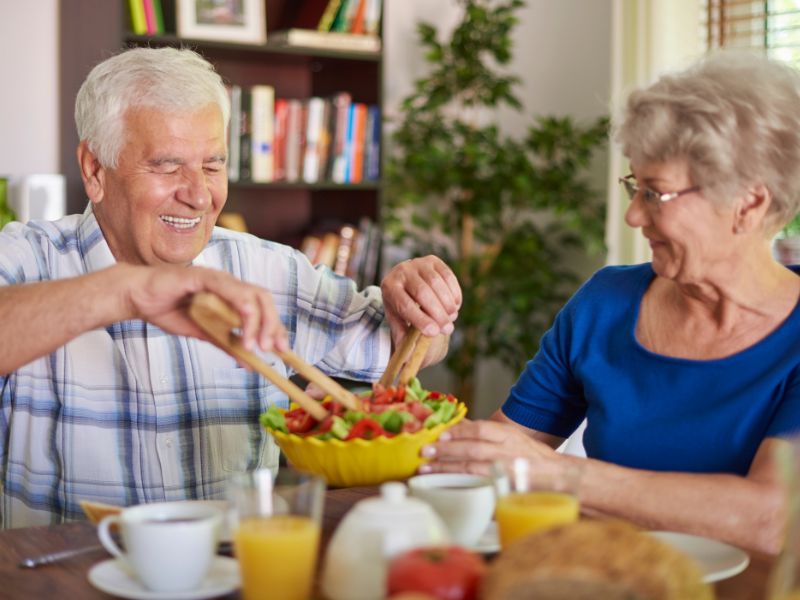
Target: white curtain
column 648, row 38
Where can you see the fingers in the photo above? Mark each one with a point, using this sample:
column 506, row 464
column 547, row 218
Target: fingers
column 260, row 322
column 423, row 292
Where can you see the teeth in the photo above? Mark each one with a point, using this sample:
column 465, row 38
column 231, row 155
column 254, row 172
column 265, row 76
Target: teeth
column 180, row 222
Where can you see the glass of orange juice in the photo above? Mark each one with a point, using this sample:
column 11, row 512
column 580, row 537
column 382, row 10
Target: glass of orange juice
column 530, row 500
column 277, row 522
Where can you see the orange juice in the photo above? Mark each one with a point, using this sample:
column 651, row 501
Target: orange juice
column 520, row 514
column 277, row 556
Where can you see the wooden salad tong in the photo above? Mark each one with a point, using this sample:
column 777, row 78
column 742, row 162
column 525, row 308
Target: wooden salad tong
column 407, row 359
column 217, row 319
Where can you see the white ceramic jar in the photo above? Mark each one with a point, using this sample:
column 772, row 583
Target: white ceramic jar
column 371, row 533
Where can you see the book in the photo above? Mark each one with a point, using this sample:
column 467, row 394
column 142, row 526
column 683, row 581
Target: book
column 327, row 250
column 324, row 142
column 294, row 140
column 263, row 114
column 245, row 137
column 340, row 20
column 310, row 247
column 279, row 143
column 372, row 17
column 337, row 154
column 136, row 12
column 315, row 109
column 357, row 24
column 149, row 17
column 308, row 38
column 159, row 14
column 357, row 253
column 347, row 236
column 356, row 158
column 326, row 21
column 234, row 131
column 372, row 147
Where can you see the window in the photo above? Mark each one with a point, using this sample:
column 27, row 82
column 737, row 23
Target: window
column 770, row 24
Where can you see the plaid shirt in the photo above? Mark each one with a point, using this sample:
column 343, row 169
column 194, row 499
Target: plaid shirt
column 128, row 413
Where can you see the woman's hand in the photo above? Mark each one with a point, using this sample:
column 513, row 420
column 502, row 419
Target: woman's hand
column 472, row 447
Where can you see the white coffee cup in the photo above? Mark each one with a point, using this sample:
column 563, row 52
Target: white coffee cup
column 169, row 546
column 464, row 502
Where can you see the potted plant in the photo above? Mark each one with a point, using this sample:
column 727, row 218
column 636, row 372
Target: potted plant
column 6, row 214
column 500, row 210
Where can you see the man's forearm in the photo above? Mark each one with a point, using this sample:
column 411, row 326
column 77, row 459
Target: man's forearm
column 37, row 318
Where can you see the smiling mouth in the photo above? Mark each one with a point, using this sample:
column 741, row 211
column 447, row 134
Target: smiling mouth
column 180, row 222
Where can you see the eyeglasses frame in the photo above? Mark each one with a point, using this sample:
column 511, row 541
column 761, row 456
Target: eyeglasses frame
column 650, row 196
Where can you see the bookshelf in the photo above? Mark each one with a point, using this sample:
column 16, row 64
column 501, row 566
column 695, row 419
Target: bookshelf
column 283, row 211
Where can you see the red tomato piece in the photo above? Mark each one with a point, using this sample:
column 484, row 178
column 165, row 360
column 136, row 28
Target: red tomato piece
column 445, row 572
column 366, row 429
column 299, row 421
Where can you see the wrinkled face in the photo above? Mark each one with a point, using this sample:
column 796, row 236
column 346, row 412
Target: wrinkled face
column 689, row 236
column 160, row 204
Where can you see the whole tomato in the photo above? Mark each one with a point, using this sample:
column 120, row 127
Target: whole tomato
column 444, row 572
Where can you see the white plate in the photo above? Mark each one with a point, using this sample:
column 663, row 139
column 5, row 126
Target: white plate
column 112, row 577
column 717, row 560
column 489, row 542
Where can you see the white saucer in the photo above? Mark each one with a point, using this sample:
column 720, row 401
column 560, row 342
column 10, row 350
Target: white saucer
column 717, row 560
column 112, row 577
column 489, row 542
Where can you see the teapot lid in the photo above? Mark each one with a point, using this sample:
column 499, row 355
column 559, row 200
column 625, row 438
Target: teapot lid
column 393, row 503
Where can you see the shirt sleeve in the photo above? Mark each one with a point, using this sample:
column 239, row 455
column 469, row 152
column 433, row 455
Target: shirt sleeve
column 338, row 328
column 19, row 262
column 786, row 421
column 547, row 396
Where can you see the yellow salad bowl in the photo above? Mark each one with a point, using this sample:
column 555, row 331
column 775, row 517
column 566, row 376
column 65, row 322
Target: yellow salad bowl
column 362, row 462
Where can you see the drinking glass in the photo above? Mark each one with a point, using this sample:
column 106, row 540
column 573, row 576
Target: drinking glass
column 531, row 500
column 277, row 522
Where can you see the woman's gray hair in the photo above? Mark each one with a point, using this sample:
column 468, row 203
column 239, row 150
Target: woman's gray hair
column 734, row 116
column 166, row 79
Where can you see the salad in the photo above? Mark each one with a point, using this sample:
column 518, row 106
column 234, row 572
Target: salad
column 386, row 412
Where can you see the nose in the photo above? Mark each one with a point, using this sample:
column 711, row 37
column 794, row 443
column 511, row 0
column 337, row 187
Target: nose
column 194, row 189
column 637, row 214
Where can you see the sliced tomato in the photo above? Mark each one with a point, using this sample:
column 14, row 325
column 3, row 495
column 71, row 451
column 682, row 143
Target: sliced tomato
column 299, row 421
column 366, row 429
column 434, row 395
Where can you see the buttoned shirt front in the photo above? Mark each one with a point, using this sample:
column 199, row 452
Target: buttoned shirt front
column 128, row 413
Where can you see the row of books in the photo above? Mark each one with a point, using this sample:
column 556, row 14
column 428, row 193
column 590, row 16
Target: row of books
column 312, row 140
column 150, row 17
column 337, row 16
column 352, row 25
column 350, row 251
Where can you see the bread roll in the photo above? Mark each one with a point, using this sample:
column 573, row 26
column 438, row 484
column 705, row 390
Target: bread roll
column 590, row 560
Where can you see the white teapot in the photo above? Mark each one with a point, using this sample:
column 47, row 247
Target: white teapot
column 371, row 533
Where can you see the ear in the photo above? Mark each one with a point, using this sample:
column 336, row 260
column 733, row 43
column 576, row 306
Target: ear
column 751, row 209
column 92, row 173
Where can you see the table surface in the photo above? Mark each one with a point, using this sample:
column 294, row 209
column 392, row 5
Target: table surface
column 67, row 579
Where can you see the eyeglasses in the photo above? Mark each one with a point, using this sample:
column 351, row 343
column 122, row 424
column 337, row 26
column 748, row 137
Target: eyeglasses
column 651, row 196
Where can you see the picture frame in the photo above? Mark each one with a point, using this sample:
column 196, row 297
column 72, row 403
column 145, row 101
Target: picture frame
column 238, row 21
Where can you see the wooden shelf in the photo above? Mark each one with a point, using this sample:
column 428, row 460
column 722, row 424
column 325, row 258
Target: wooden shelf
column 304, row 53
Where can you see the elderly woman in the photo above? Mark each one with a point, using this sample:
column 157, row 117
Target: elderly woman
column 687, row 369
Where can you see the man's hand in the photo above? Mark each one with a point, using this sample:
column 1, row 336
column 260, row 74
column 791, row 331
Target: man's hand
column 422, row 292
column 160, row 295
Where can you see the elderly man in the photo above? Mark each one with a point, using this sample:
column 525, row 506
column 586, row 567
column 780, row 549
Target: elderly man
column 108, row 391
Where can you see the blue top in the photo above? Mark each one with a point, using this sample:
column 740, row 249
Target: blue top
column 646, row 410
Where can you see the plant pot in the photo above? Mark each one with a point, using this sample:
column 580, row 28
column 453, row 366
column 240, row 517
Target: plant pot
column 787, row 250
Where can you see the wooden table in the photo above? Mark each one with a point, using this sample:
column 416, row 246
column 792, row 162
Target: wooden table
column 67, row 579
